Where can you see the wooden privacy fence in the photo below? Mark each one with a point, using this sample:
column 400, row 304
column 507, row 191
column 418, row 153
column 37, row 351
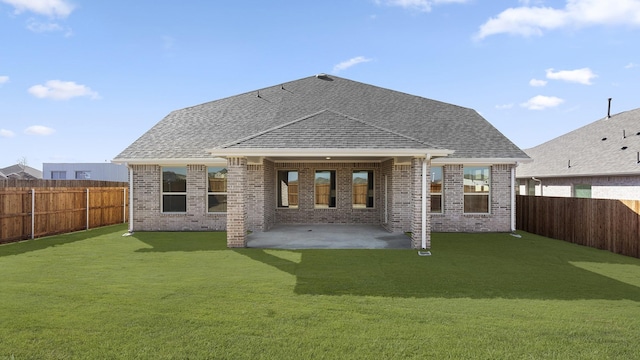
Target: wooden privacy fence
column 612, row 225
column 29, row 213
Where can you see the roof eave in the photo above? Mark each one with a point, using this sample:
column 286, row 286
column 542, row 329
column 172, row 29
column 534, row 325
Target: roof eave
column 331, row 152
column 481, row 161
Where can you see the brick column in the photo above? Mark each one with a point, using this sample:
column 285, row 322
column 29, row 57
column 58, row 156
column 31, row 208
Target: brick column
column 416, row 204
column 236, row 203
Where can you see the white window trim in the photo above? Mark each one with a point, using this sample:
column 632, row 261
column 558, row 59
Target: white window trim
column 478, row 194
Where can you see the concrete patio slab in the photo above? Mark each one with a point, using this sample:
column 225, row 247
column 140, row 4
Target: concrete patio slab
column 328, row 236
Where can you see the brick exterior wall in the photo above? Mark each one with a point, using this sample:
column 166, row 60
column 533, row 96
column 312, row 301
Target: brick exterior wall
column 387, row 173
column 147, row 206
column 401, row 198
column 252, row 198
column 343, row 213
column 453, row 218
column 237, row 180
column 416, row 204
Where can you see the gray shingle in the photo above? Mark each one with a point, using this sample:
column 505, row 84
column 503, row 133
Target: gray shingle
column 186, row 133
column 586, row 151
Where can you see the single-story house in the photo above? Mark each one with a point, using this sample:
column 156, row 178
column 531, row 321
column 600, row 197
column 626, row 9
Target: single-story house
column 323, row 150
column 599, row 160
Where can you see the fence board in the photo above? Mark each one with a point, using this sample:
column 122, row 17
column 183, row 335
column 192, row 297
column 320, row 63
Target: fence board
column 612, row 225
column 59, row 210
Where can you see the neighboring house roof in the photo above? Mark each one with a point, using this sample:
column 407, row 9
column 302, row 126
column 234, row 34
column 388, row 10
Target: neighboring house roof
column 21, row 172
column 321, row 112
column 598, row 148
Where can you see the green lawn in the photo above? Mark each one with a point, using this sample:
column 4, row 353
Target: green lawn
column 99, row 295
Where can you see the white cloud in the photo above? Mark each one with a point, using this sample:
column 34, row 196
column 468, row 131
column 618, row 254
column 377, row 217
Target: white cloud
column 537, row 83
column 7, row 133
column 542, row 102
column 51, row 8
column 4, row 79
column 41, row 27
column 528, row 20
column 39, row 130
column 420, row 5
column 631, row 65
column 504, row 106
column 580, row 76
column 62, row 90
column 349, row 63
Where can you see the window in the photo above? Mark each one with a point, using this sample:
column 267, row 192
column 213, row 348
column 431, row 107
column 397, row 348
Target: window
column 476, row 189
column 582, row 191
column 58, row 175
column 288, row 189
column 83, row 175
column 362, row 185
column 217, row 189
column 174, row 189
column 325, row 189
column 436, row 189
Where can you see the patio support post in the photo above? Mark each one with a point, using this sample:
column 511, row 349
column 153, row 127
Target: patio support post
column 236, row 202
column 420, row 201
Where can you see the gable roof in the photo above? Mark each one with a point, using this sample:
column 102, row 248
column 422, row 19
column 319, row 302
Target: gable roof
column 598, row 148
column 321, row 112
column 18, row 171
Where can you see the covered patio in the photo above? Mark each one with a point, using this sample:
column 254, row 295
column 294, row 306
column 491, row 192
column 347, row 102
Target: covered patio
column 328, row 236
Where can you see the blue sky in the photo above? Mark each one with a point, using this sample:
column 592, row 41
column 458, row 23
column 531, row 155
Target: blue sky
column 80, row 80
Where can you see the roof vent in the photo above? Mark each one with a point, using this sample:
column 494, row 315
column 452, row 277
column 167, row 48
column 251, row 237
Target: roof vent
column 609, row 109
column 604, row 138
column 624, row 148
column 323, row 76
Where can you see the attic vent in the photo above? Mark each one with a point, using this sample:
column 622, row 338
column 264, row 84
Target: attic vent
column 638, row 133
column 604, row 138
column 624, row 148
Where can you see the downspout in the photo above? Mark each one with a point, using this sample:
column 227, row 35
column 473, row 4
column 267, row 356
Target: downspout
column 424, row 251
column 130, row 200
column 540, row 181
column 513, row 197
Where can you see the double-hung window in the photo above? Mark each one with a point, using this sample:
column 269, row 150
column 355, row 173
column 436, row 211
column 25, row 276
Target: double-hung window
column 174, row 189
column 288, row 189
column 476, row 189
column 362, row 187
column 217, row 189
column 436, row 189
column 325, row 189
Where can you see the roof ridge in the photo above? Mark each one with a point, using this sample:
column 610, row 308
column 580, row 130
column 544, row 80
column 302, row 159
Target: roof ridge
column 260, row 133
column 306, row 117
column 387, row 130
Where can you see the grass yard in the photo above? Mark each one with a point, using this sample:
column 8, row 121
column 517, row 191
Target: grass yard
column 98, row 295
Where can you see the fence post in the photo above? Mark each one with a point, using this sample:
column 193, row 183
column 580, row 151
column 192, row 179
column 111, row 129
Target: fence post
column 87, row 208
column 33, row 214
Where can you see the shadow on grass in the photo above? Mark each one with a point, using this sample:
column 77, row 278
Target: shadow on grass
column 26, row 246
column 182, row 241
column 463, row 266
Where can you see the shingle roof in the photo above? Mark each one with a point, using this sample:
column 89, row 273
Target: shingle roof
column 357, row 115
column 598, row 148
